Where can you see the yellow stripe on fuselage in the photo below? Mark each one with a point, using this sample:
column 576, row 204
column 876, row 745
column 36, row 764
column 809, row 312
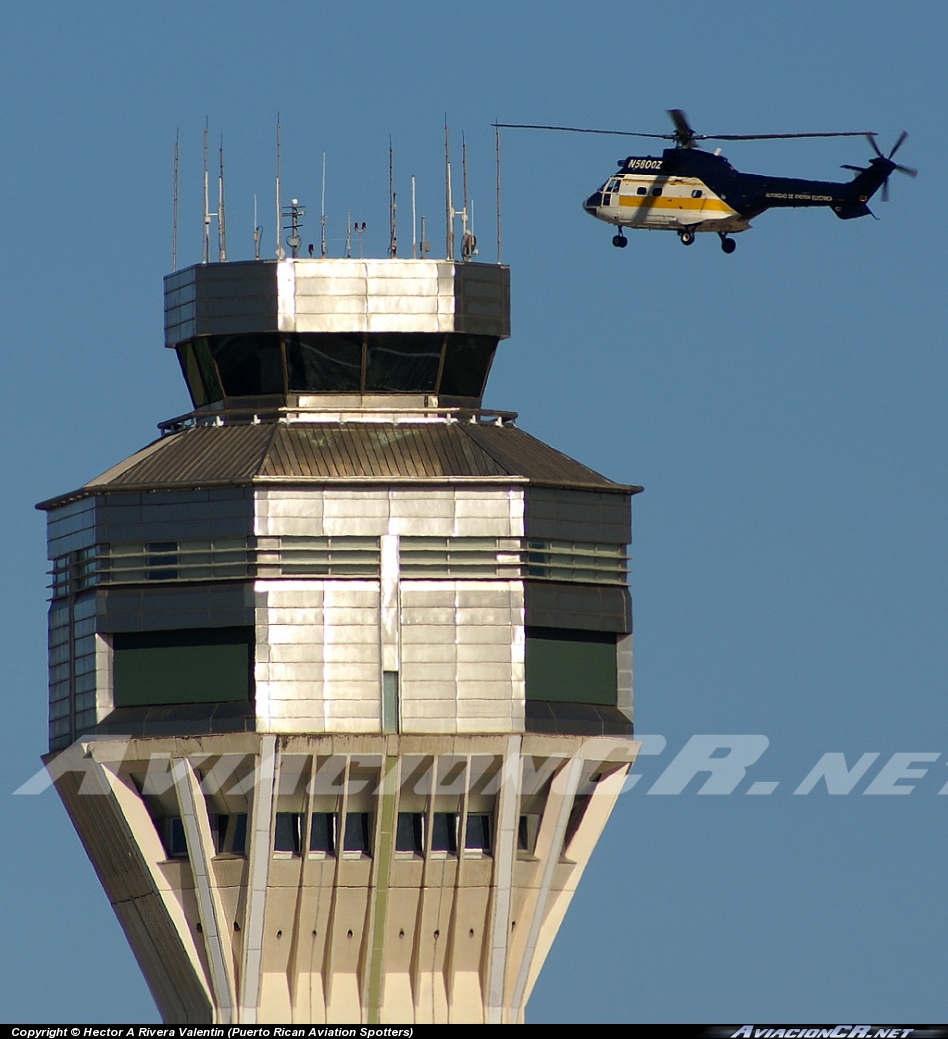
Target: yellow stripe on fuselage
column 706, row 204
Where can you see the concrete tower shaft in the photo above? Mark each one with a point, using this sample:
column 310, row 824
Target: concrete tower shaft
column 340, row 665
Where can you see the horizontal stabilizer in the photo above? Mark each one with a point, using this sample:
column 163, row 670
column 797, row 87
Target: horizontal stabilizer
column 852, row 210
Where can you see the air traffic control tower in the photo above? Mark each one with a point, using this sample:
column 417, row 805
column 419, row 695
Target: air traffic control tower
column 340, row 664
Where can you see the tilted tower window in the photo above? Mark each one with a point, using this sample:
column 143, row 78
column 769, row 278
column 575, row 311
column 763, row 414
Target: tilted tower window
column 327, row 363
column 219, row 367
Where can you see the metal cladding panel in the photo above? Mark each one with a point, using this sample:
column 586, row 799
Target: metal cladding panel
column 172, row 515
column 392, row 295
column 563, row 514
column 220, row 299
column 482, row 298
column 553, row 604
column 70, row 528
column 162, row 609
column 339, row 295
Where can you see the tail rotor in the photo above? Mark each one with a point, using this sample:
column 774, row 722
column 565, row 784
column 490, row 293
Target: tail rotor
column 887, row 160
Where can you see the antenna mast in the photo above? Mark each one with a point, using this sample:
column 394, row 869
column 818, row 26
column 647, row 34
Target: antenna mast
column 257, row 231
column 393, row 241
column 322, row 214
column 221, row 226
column 294, row 213
column 497, row 135
column 468, row 242
column 174, row 209
column 280, row 254
column 464, row 185
column 205, row 251
column 448, row 207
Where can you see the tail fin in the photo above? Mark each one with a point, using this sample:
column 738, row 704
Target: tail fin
column 868, row 180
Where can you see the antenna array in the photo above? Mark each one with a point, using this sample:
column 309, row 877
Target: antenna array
column 289, row 218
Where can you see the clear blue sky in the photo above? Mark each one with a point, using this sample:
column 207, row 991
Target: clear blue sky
column 784, row 408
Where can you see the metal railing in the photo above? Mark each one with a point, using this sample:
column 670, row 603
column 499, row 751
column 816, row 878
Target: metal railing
column 284, row 413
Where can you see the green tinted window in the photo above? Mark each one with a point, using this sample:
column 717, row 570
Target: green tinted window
column 569, row 666
column 203, row 665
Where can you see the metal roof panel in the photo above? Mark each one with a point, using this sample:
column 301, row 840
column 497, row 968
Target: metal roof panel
column 380, row 451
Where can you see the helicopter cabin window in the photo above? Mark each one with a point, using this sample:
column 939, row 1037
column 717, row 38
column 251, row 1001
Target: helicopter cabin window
column 696, row 193
column 656, row 191
column 614, row 184
column 641, row 191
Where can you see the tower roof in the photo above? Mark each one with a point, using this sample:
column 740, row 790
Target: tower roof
column 328, row 451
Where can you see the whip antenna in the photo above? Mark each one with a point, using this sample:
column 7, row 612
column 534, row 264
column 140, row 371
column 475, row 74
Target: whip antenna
column 279, row 210
column 174, row 210
column 448, row 207
column 205, row 251
column 322, row 214
column 221, row 226
column 497, row 140
column 392, row 240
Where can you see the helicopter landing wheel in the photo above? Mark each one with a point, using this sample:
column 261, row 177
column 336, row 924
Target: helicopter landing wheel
column 687, row 237
column 728, row 244
column 620, row 241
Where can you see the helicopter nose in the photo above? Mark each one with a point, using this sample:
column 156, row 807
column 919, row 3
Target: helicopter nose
column 593, row 202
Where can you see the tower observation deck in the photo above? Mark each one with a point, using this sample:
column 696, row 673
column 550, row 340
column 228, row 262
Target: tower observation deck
column 340, row 664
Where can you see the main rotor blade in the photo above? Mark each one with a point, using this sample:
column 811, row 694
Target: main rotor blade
column 898, row 144
column 683, row 132
column 778, row 136
column 582, row 129
column 680, row 120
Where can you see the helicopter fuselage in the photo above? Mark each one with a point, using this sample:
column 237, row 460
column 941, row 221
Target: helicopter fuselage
column 689, row 190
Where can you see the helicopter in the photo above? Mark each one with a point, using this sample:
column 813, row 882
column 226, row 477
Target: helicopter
column 687, row 190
